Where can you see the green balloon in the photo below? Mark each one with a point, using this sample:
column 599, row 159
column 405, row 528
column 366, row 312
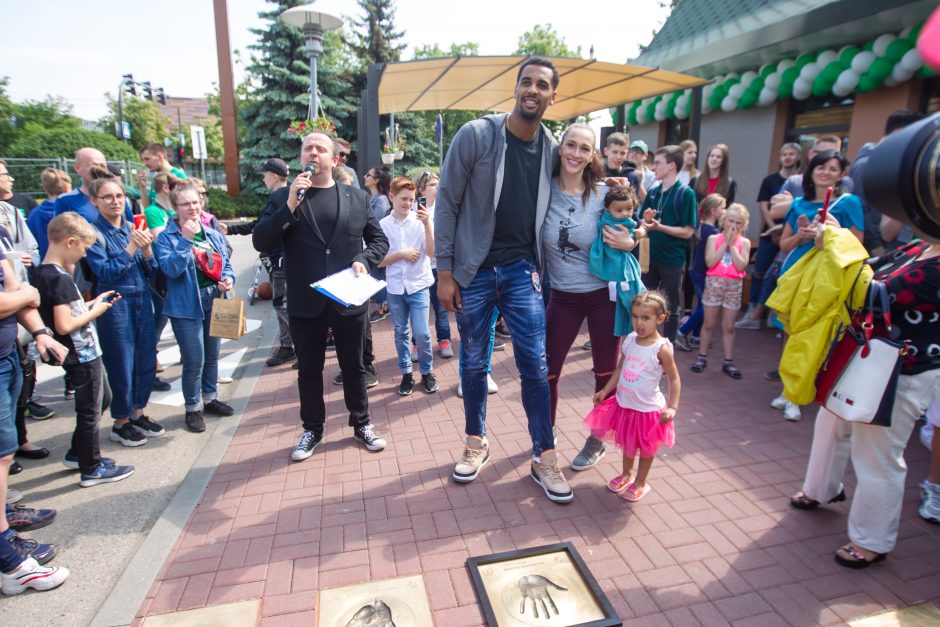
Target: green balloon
column 747, row 101
column 757, row 84
column 926, row 72
column 768, row 70
column 848, row 54
column 880, row 69
column 915, row 33
column 869, row 46
column 804, row 59
column 789, row 76
column 651, row 111
column 785, row 90
column 897, row 49
column 822, row 86
column 631, row 117
column 867, row 84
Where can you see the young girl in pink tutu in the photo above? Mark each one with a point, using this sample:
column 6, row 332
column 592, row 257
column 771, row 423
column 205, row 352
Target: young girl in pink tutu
column 637, row 419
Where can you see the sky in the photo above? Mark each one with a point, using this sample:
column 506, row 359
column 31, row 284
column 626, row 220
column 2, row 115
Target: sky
column 50, row 47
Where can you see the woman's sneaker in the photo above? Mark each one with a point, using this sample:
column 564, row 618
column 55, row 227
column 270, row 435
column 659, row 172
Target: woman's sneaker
column 105, row 473
column 547, row 474
column 29, row 548
column 147, row 427
column 306, row 445
column 21, row 518
column 476, row 454
column 127, row 435
column 682, row 342
column 446, row 350
column 592, row 452
column 929, row 508
column 31, row 575
column 780, row 402
column 792, row 412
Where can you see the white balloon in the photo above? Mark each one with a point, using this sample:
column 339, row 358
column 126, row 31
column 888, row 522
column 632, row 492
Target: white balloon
column 641, row 115
column 826, row 57
column 681, row 102
column 681, row 114
column 767, row 96
column 890, row 82
column 659, row 115
column 906, row 32
column 901, row 74
column 661, row 106
column 810, row 71
column 785, row 65
column 748, row 77
column 737, row 90
column 840, row 90
column 863, row 61
column 707, row 91
column 731, row 75
column 881, row 44
column 912, row 61
column 773, row 80
column 729, row 104
column 801, row 89
column 847, row 82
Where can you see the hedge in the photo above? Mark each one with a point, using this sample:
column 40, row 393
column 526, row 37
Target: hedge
column 63, row 142
column 247, row 204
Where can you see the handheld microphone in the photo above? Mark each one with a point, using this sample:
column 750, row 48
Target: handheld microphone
column 311, row 169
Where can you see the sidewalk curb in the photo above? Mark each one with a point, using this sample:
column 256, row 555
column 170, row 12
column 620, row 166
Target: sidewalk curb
column 141, row 571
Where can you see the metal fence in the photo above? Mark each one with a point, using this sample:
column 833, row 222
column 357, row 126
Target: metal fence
column 27, row 173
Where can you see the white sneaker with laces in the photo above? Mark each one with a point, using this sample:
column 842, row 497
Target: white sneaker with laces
column 30, row 574
column 780, row 402
column 476, row 454
column 929, row 508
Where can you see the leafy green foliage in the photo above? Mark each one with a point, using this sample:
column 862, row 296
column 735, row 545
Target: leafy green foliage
column 247, row 204
column 63, row 142
column 543, row 41
column 7, row 130
column 375, row 39
column 148, row 124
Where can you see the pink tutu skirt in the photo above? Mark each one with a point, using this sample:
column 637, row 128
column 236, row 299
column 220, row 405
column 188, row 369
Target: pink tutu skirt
column 629, row 430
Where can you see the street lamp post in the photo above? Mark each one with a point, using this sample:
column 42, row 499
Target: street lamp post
column 314, row 24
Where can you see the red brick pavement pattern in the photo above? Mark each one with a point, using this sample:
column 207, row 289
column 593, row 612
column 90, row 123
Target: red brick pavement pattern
column 715, row 543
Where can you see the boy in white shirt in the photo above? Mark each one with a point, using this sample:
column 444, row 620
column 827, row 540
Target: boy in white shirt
column 408, row 276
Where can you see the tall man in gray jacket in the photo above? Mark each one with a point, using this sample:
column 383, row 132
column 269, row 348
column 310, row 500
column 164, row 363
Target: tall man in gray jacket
column 492, row 202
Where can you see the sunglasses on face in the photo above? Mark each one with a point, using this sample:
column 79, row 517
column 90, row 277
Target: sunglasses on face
column 343, row 154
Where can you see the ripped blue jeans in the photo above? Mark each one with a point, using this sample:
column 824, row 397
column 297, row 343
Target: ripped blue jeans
column 519, row 298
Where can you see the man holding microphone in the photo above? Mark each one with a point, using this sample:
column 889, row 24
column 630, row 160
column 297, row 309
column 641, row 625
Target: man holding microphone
column 324, row 228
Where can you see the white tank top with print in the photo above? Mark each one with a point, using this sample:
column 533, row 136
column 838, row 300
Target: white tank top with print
column 638, row 386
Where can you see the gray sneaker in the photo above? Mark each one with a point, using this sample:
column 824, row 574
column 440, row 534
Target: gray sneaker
column 747, row 323
column 547, row 474
column 592, row 452
column 476, row 454
column 929, row 508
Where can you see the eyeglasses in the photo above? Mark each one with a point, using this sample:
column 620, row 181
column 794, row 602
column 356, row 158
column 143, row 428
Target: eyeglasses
column 204, row 194
column 112, row 198
column 369, row 174
column 6, row 174
column 343, row 154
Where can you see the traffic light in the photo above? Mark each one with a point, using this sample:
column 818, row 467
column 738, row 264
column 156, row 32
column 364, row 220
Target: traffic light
column 148, row 90
column 161, row 95
column 180, row 153
column 129, row 84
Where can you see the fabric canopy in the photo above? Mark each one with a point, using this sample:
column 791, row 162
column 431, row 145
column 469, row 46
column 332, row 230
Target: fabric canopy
column 487, row 84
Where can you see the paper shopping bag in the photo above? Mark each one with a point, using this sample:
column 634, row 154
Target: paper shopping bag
column 644, row 255
column 228, row 318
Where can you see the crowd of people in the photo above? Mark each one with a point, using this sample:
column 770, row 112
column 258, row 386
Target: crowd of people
column 519, row 236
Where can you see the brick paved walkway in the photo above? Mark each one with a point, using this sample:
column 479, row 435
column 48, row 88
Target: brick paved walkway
column 714, row 543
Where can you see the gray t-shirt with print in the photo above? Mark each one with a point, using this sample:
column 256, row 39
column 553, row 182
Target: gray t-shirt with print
column 568, row 233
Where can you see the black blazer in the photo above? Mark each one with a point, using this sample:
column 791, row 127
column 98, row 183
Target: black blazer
column 309, row 258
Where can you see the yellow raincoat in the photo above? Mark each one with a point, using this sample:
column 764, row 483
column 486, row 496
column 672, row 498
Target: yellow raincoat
column 810, row 302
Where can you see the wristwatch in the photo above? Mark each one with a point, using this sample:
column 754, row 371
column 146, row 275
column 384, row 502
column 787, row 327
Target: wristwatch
column 42, row 331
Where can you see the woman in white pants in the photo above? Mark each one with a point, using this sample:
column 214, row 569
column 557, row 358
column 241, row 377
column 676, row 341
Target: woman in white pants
column 912, row 276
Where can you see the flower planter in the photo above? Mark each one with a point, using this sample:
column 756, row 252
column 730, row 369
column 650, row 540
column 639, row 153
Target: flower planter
column 399, row 154
column 388, row 158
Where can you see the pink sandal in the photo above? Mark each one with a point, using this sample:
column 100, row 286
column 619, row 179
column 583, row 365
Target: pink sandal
column 633, row 496
column 619, row 483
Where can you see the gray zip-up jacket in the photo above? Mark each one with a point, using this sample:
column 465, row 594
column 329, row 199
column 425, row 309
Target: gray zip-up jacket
column 471, row 182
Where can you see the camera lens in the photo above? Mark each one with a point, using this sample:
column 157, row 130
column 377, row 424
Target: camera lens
column 902, row 178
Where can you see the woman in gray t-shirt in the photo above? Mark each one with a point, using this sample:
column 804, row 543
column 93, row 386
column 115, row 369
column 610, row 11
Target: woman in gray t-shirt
column 568, row 232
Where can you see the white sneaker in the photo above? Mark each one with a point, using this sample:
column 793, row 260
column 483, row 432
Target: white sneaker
column 926, row 436
column 792, row 412
column 747, row 323
column 224, row 380
column 31, row 575
column 780, row 402
column 491, row 387
column 14, row 496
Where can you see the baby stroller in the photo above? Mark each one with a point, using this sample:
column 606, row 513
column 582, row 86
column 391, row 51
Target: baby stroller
column 264, row 263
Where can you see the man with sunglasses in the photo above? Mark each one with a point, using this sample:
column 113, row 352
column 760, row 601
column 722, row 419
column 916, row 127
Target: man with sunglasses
column 345, row 149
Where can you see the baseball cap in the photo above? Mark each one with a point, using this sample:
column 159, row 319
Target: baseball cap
column 640, row 145
column 275, row 166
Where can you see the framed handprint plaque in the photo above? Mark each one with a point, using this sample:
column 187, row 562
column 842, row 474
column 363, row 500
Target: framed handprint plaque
column 546, row 586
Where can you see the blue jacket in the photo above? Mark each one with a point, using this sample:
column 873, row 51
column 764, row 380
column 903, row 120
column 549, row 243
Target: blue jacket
column 175, row 255
column 38, row 223
column 114, row 268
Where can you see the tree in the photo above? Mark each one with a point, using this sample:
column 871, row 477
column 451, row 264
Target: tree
column 63, row 142
column 278, row 91
column 543, row 41
column 148, row 124
column 376, row 40
column 7, row 130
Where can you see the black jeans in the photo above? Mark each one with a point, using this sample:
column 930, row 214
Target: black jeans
column 667, row 280
column 309, row 336
column 29, row 383
column 92, row 398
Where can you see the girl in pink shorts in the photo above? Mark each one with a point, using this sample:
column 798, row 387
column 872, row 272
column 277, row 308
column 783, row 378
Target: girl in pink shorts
column 726, row 256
